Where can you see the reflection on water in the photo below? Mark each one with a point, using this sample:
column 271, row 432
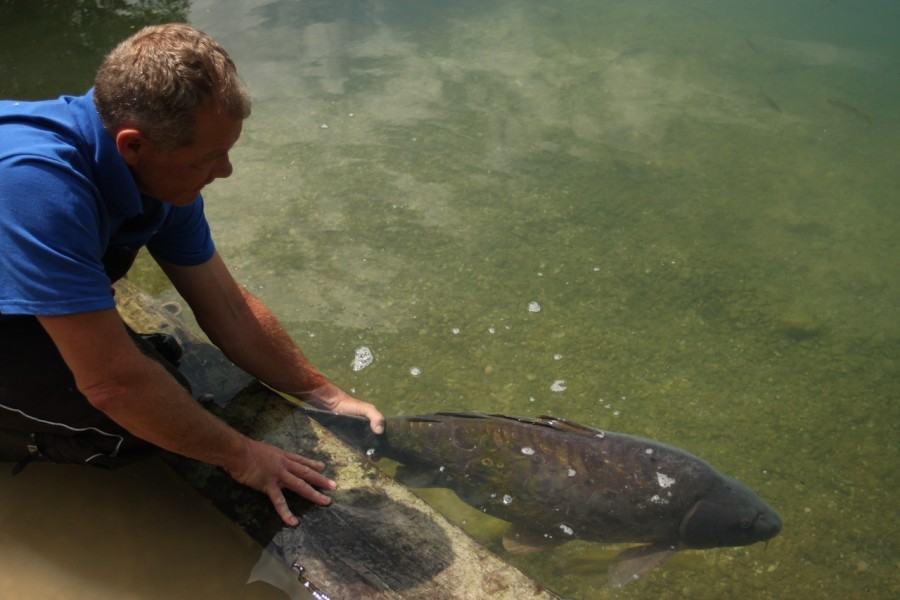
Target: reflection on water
column 710, row 271
column 51, row 47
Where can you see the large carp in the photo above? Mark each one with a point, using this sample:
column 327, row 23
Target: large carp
column 556, row 481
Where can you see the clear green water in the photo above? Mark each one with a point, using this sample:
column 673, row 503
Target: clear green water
column 701, row 197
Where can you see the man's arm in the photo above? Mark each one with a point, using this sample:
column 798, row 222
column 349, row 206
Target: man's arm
column 138, row 393
column 250, row 335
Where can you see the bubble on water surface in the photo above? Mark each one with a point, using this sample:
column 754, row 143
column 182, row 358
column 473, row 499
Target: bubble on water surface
column 534, row 307
column 528, row 451
column 415, row 371
column 363, row 358
column 558, row 386
column 507, row 499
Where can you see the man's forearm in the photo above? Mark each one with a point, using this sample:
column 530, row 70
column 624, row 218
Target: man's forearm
column 155, row 408
column 259, row 344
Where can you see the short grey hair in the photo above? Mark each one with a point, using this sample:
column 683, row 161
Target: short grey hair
column 157, row 80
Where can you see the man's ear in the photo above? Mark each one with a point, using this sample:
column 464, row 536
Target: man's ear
column 131, row 144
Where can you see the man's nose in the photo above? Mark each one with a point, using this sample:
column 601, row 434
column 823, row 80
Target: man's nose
column 223, row 168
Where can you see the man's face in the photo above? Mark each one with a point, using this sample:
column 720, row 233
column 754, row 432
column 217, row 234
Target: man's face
column 178, row 176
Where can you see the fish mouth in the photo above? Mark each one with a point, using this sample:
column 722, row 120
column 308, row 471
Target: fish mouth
column 768, row 525
column 764, row 527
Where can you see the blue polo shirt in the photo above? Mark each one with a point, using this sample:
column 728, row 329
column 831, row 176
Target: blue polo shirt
column 66, row 196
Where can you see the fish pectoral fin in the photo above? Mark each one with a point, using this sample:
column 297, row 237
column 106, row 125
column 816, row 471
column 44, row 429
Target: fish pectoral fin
column 520, row 541
column 417, row 477
column 629, row 565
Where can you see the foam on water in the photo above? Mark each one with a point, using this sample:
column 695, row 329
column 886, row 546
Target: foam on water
column 362, row 359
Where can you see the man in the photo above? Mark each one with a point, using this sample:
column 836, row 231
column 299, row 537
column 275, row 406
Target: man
column 84, row 183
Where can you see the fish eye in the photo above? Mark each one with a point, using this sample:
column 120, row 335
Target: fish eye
column 745, row 523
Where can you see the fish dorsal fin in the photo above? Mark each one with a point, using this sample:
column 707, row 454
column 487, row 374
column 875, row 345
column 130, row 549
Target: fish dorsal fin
column 566, row 425
column 629, row 565
column 522, row 541
column 562, row 425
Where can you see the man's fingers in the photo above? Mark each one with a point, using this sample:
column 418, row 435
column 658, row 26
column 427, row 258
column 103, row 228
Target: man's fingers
column 309, row 477
column 272, row 470
column 377, row 425
column 312, row 464
column 348, row 405
column 376, row 419
column 301, row 484
column 281, row 507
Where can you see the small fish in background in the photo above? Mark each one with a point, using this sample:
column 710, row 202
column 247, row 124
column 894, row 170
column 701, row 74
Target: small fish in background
column 768, row 101
column 751, row 45
column 627, row 55
column 850, row 110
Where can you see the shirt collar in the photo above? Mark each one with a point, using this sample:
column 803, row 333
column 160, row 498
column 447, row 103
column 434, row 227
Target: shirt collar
column 113, row 178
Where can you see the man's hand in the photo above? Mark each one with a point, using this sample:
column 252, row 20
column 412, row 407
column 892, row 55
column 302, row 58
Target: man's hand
column 269, row 470
column 332, row 398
